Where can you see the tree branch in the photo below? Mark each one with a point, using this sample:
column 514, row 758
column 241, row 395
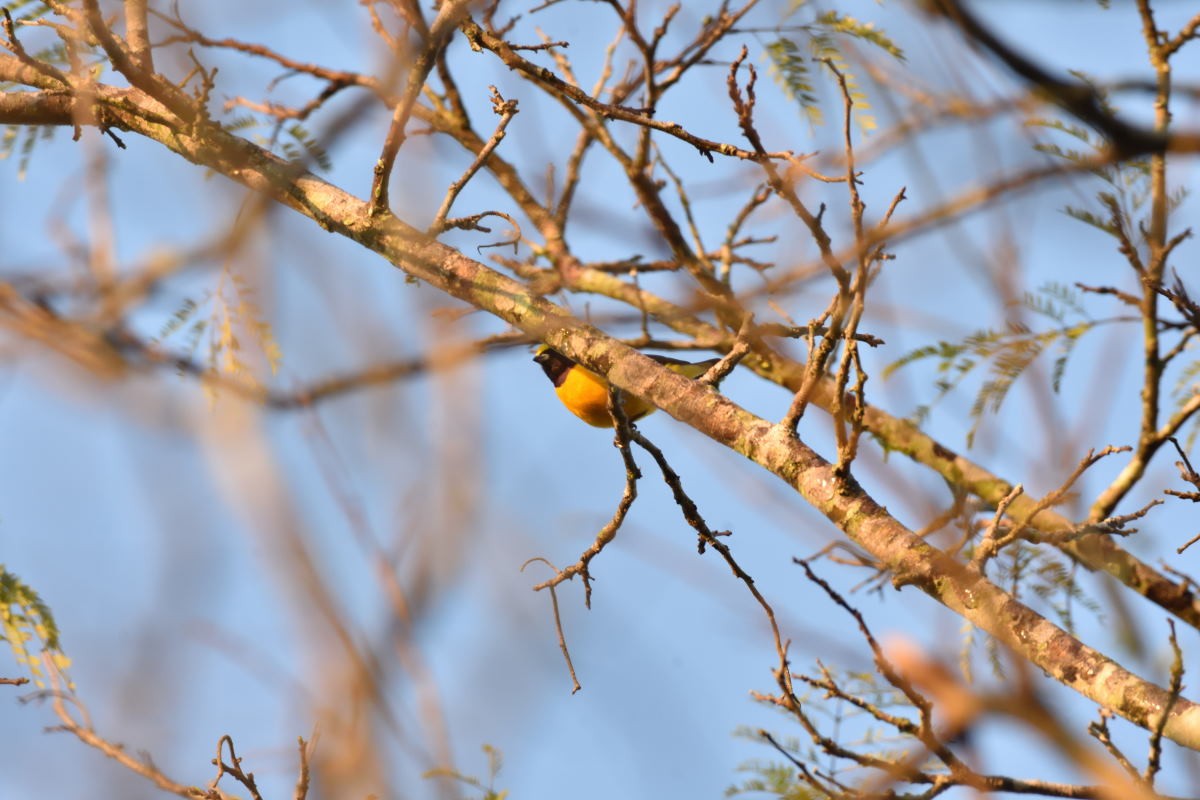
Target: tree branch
column 912, row 560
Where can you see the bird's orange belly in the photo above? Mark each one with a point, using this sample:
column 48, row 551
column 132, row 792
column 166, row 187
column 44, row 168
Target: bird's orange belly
column 585, row 394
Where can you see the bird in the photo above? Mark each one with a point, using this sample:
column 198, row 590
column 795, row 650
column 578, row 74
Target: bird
column 585, row 394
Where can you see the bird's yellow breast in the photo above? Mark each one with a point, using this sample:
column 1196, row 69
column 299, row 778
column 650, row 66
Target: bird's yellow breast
column 585, row 394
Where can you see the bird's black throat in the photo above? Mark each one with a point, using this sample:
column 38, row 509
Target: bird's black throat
column 555, row 365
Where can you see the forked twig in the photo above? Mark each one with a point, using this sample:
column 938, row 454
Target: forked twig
column 609, row 531
column 562, row 639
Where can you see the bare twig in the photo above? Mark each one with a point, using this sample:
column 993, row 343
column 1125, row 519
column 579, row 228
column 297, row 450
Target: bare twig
column 14, row 46
column 709, row 538
column 1154, row 761
column 995, row 541
column 233, row 768
column 85, row 733
column 624, row 433
column 302, row 780
column 449, row 16
column 556, row 86
column 148, row 81
column 506, row 110
column 1099, row 731
column 562, row 639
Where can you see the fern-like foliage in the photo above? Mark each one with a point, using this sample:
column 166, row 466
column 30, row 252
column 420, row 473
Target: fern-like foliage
column 241, row 123
column 221, row 322
column 863, row 31
column 20, row 140
column 27, row 10
column 1026, row 570
column 235, row 309
column 792, row 73
column 1005, row 354
column 1050, row 577
column 304, row 147
column 850, row 724
column 294, row 142
column 1128, row 182
column 771, row 779
column 824, row 35
column 25, row 619
column 487, row 791
column 1121, row 209
column 1187, row 384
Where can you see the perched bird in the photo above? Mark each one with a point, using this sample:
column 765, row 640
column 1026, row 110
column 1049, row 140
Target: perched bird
column 585, row 394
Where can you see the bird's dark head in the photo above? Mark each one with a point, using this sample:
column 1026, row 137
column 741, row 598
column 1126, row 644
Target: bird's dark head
column 554, row 364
